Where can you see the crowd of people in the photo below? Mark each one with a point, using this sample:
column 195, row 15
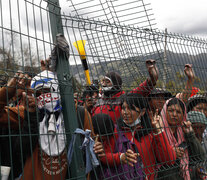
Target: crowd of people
column 146, row 133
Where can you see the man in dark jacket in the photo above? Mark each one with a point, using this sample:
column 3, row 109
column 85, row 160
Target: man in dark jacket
column 110, row 103
column 199, row 124
column 90, row 97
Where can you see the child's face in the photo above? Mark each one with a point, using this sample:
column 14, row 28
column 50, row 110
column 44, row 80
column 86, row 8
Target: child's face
column 129, row 115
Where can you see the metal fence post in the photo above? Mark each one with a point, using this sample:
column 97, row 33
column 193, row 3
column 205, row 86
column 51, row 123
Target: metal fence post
column 77, row 170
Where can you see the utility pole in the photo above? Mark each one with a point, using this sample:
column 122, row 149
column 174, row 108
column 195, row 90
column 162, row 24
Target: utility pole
column 77, row 168
column 165, row 62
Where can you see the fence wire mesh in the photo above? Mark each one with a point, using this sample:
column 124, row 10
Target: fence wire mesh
column 130, row 88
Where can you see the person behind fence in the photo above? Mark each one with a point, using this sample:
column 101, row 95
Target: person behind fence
column 129, row 166
column 146, row 137
column 199, row 123
column 197, row 102
column 85, row 122
column 12, row 120
column 90, row 95
column 48, row 99
column 159, row 96
column 182, row 137
column 83, row 116
column 77, row 98
column 49, row 158
column 112, row 91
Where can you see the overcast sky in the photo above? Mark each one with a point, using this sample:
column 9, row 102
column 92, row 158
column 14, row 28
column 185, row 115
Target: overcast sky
column 181, row 16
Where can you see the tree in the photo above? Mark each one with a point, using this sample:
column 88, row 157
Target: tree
column 133, row 84
column 16, row 56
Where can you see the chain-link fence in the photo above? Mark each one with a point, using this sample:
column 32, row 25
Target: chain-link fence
column 101, row 66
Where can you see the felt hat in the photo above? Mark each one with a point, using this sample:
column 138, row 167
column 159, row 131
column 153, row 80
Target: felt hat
column 197, row 117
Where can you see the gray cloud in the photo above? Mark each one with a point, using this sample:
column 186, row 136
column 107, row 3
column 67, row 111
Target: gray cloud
column 185, row 17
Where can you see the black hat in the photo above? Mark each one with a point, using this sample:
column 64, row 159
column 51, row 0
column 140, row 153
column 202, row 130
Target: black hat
column 194, row 100
column 115, row 78
column 197, row 117
column 159, row 91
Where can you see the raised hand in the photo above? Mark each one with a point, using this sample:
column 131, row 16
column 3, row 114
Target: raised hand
column 187, row 128
column 189, row 72
column 129, row 157
column 179, row 152
column 153, row 71
column 98, row 149
column 156, row 121
column 28, row 102
column 19, row 80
